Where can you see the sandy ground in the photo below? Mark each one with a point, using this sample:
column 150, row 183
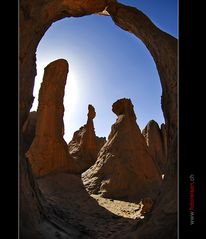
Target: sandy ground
column 90, row 216
column 120, row 208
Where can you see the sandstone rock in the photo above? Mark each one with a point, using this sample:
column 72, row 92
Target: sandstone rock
column 48, row 151
column 124, row 168
column 91, row 113
column 85, row 145
column 29, row 129
column 156, row 143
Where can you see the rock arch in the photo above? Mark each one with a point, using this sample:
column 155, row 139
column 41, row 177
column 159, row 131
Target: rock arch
column 35, row 18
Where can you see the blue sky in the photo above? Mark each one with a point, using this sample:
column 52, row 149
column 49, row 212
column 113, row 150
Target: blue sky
column 106, row 64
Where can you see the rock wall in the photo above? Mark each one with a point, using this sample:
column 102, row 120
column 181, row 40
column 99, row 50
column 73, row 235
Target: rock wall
column 48, row 152
column 124, row 168
column 29, row 129
column 85, row 145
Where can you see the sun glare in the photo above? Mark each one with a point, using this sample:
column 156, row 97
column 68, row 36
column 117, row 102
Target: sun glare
column 71, row 97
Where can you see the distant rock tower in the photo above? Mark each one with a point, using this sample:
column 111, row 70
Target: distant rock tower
column 156, row 140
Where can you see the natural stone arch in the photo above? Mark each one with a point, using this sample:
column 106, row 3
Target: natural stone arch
column 35, row 18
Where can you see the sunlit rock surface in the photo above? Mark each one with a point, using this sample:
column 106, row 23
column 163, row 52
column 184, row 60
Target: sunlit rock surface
column 124, row 168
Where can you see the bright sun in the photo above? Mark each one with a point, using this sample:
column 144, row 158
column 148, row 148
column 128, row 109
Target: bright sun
column 71, row 97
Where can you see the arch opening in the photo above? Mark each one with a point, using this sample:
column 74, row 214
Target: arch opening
column 105, row 64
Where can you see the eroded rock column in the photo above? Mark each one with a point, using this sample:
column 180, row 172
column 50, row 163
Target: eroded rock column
column 124, row 168
column 85, row 145
column 48, row 152
column 89, row 139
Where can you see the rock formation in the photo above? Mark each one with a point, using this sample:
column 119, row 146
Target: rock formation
column 156, row 143
column 29, row 129
column 85, row 145
column 163, row 48
column 48, row 152
column 124, row 168
column 35, row 18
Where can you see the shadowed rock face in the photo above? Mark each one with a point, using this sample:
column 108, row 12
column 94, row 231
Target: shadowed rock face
column 155, row 139
column 85, row 145
column 29, row 129
column 48, row 152
column 164, row 137
column 124, row 168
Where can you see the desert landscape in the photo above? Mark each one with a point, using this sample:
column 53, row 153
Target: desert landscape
column 120, row 186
